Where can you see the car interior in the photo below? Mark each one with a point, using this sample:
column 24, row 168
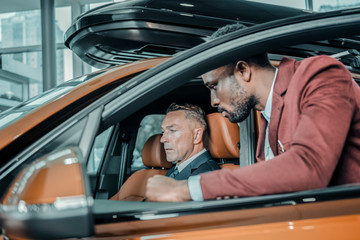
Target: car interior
column 126, row 154
column 140, row 134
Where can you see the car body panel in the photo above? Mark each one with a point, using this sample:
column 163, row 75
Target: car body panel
column 248, row 223
column 25, row 124
column 344, row 227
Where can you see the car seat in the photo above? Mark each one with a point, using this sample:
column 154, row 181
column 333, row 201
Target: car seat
column 224, row 140
column 154, row 158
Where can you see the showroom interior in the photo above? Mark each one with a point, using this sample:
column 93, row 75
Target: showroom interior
column 33, row 57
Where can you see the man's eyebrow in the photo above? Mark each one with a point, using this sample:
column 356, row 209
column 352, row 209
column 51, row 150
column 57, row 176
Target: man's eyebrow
column 169, row 126
column 207, row 83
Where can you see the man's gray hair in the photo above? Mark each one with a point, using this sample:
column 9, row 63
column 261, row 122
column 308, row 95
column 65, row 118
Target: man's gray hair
column 192, row 112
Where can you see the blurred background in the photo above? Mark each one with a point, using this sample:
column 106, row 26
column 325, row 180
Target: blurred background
column 24, row 36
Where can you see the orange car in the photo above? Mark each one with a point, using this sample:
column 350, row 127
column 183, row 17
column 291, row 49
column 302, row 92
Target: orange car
column 74, row 161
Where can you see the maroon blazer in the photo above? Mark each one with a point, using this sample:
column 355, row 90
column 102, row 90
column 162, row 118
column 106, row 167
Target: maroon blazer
column 315, row 115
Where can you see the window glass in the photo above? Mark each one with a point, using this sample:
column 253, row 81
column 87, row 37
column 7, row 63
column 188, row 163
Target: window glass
column 30, row 65
column 150, row 125
column 286, row 3
column 11, row 90
column 98, row 151
column 21, row 36
column 20, row 29
column 331, row 5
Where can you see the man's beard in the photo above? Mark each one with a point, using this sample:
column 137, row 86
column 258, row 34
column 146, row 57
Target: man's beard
column 242, row 103
column 242, row 109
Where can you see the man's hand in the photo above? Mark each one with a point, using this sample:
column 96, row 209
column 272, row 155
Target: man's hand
column 164, row 189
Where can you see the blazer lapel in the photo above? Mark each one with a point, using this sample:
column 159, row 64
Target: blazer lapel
column 261, row 141
column 285, row 73
column 186, row 172
column 276, row 112
column 170, row 170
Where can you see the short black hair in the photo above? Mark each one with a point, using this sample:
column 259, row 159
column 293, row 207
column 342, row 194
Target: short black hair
column 260, row 60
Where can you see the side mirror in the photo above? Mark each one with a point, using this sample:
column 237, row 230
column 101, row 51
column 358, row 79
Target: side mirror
column 47, row 200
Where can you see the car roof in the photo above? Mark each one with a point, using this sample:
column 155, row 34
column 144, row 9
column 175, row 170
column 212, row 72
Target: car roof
column 126, row 31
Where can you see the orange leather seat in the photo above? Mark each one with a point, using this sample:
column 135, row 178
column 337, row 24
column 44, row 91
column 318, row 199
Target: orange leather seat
column 153, row 157
column 224, row 138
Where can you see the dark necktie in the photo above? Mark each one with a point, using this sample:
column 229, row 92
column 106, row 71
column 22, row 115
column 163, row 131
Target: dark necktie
column 174, row 173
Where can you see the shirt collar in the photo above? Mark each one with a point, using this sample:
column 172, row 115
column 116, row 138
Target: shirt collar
column 267, row 111
column 183, row 165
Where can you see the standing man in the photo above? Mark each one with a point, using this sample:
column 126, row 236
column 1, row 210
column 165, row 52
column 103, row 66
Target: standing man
column 184, row 128
column 310, row 133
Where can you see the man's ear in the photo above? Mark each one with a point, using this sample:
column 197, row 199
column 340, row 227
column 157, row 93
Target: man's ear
column 198, row 135
column 242, row 71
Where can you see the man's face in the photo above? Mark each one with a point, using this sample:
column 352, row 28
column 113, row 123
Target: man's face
column 228, row 96
column 177, row 136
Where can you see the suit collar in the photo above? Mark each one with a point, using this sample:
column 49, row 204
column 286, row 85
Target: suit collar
column 286, row 70
column 205, row 156
column 184, row 164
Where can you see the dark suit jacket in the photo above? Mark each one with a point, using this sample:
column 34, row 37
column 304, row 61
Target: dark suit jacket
column 315, row 116
column 203, row 163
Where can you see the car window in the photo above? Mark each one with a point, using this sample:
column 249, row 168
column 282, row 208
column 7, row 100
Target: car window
column 150, row 125
column 98, row 150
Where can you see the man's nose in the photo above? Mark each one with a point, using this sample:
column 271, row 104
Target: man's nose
column 214, row 100
column 162, row 139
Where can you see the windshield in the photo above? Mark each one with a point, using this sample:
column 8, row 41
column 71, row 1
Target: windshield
column 15, row 113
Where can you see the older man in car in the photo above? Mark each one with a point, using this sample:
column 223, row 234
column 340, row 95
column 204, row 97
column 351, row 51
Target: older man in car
column 183, row 132
column 310, row 129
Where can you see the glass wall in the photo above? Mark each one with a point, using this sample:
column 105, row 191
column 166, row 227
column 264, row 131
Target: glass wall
column 21, row 50
column 331, row 5
column 315, row 5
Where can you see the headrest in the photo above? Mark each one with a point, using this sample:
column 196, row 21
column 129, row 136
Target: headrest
column 153, row 153
column 224, row 137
